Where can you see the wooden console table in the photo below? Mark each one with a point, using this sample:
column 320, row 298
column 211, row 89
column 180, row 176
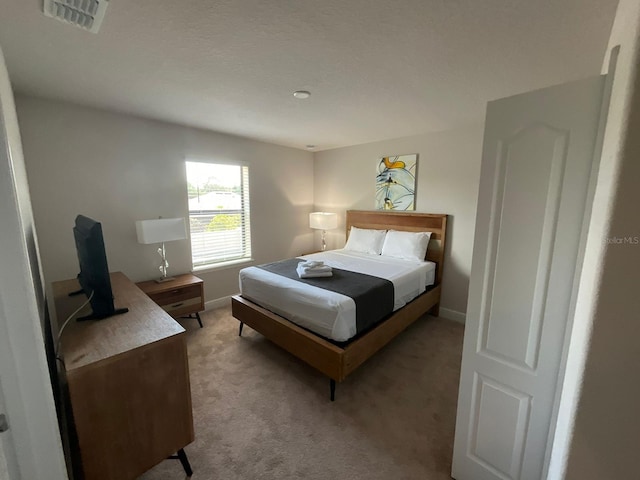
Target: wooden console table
column 128, row 382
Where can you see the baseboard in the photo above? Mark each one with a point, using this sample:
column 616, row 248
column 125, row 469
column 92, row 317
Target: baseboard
column 218, row 303
column 453, row 315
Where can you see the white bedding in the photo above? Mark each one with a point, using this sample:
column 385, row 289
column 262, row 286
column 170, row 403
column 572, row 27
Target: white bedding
column 327, row 313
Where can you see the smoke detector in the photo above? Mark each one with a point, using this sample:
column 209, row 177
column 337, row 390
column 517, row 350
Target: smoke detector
column 86, row 14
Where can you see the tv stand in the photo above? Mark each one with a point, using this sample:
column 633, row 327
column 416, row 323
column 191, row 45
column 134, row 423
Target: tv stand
column 127, row 379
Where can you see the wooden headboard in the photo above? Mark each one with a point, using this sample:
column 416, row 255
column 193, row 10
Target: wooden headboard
column 410, row 222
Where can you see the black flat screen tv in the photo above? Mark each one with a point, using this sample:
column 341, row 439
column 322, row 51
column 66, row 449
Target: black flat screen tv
column 94, row 271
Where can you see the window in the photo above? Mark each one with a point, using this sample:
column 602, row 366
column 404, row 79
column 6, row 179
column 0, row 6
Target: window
column 218, row 213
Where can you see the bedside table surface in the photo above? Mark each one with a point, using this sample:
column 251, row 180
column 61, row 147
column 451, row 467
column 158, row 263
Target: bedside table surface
column 151, row 286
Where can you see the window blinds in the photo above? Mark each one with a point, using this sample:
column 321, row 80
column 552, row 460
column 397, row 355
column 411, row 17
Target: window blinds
column 220, row 220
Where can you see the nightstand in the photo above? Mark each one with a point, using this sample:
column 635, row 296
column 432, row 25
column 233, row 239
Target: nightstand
column 181, row 297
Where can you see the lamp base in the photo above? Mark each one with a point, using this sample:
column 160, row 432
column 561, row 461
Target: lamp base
column 164, row 279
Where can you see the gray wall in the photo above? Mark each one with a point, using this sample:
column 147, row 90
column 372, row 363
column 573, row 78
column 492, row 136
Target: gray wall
column 118, row 169
column 448, row 176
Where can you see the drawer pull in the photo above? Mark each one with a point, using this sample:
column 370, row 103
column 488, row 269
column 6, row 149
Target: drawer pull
column 175, row 291
column 177, row 305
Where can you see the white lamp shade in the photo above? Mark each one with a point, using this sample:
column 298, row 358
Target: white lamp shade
column 323, row 220
column 161, row 230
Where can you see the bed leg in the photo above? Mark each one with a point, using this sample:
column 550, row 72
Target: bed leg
column 240, row 329
column 435, row 310
column 332, row 388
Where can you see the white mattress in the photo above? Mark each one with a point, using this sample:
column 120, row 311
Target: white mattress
column 327, row 313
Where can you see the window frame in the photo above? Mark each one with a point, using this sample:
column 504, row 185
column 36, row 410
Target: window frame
column 220, row 261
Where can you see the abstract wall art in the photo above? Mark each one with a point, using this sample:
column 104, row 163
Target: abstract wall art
column 396, row 182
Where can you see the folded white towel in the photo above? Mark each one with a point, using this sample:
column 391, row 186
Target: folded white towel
column 312, row 264
column 302, row 273
column 323, row 269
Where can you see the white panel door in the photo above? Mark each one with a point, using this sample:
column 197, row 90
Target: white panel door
column 536, row 165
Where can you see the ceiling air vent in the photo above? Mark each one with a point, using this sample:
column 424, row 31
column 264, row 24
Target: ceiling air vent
column 87, row 14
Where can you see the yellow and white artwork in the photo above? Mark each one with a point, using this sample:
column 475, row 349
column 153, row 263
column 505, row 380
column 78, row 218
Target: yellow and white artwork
column 396, row 182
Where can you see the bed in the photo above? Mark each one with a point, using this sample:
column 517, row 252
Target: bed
column 328, row 354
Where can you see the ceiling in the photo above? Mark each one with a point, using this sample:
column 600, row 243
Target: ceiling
column 377, row 69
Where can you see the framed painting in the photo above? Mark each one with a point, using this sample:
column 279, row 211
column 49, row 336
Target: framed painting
column 396, row 182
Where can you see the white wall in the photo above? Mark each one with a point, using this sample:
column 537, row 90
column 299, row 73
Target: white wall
column 447, row 182
column 599, row 425
column 118, row 168
column 24, row 377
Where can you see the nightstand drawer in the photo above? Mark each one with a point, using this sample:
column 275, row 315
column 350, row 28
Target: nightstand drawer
column 182, row 306
column 177, row 295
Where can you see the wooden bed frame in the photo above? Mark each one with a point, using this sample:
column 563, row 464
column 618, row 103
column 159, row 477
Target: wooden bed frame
column 334, row 361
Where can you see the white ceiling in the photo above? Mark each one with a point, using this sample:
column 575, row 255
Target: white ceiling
column 377, row 69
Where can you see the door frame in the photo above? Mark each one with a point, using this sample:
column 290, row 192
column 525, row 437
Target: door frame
column 558, row 439
column 27, row 388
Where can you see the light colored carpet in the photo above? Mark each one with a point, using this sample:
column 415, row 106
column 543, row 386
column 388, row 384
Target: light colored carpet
column 260, row 413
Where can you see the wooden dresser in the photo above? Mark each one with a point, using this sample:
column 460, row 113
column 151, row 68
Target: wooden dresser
column 128, row 383
column 184, row 295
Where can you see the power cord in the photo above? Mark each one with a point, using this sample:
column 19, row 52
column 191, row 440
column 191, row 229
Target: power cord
column 65, row 324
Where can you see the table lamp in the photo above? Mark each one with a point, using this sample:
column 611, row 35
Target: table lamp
column 323, row 221
column 161, row 230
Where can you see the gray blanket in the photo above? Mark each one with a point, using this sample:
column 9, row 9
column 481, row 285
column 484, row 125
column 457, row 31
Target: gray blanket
column 373, row 296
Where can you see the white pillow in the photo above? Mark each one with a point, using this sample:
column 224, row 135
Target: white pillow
column 365, row 240
column 406, row 245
